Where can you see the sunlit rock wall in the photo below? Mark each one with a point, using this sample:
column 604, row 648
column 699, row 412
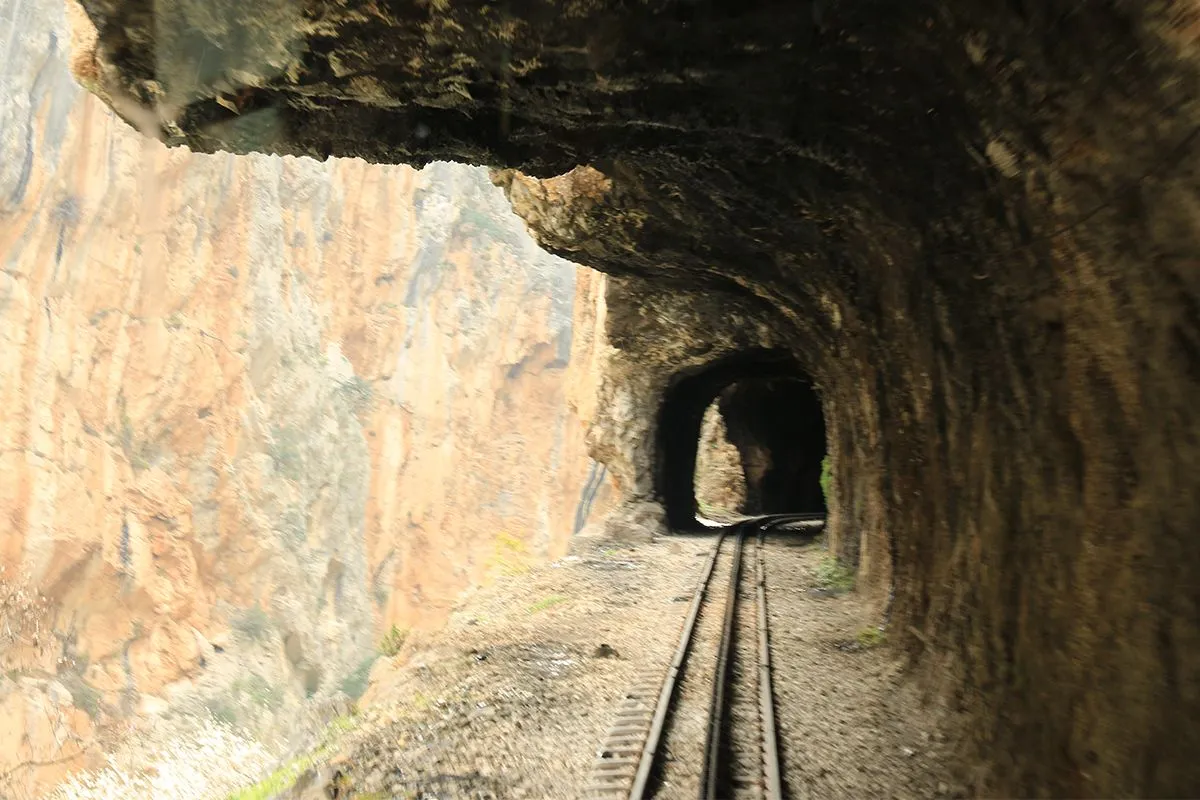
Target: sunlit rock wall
column 720, row 479
column 256, row 410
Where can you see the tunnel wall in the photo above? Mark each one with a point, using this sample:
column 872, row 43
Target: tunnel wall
column 656, row 337
column 685, row 398
column 778, row 421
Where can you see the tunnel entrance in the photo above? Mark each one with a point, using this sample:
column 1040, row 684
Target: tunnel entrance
column 771, row 415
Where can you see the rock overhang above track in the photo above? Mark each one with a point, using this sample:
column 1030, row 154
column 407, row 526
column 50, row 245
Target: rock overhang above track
column 973, row 223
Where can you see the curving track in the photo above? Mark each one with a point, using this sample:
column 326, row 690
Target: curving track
column 739, row 757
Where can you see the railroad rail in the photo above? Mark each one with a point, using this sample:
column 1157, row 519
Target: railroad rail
column 630, row 762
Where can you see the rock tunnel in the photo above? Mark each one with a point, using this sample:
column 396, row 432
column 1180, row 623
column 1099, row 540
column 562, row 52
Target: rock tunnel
column 975, row 223
column 774, row 419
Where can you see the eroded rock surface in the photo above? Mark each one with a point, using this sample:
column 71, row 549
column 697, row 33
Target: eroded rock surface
column 974, row 223
column 720, row 476
column 256, row 412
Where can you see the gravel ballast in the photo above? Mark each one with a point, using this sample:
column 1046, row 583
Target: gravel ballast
column 513, row 698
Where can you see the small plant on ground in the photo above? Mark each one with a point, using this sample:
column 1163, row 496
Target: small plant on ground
column 871, row 636
column 355, row 684
column 833, row 575
column 222, row 710
column 826, row 478
column 510, row 556
column 82, row 695
column 253, row 623
column 284, row 777
column 277, row 782
column 547, row 602
column 392, row 641
column 259, row 691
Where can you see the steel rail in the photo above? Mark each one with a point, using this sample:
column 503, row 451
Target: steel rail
column 641, row 779
column 710, row 776
column 772, row 777
column 622, row 750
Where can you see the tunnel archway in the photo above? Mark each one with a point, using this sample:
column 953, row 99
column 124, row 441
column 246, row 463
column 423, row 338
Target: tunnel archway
column 772, row 415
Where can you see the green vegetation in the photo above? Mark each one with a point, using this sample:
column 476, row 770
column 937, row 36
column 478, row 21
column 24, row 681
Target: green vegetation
column 547, row 602
column 826, row 478
column 833, row 575
column 222, row 710
column 253, row 623
column 340, row 725
column 82, row 695
column 293, row 524
column 286, row 450
column 259, row 690
column 870, row 637
column 358, row 393
column 278, row 781
column 392, row 641
column 355, row 684
column 285, row 776
column 510, row 556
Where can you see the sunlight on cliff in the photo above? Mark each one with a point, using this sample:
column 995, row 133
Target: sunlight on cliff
column 261, row 413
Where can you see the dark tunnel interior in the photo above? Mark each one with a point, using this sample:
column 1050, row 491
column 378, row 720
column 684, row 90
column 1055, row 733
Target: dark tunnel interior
column 778, row 428
column 773, row 416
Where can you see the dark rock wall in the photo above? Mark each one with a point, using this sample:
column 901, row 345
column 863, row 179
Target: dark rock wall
column 974, row 223
column 659, row 338
column 778, row 422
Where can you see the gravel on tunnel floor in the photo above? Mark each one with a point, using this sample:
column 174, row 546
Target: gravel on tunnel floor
column 849, row 726
column 514, row 696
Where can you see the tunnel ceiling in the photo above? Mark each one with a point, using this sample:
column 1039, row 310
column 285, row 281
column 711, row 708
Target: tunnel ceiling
column 800, row 143
column 976, row 223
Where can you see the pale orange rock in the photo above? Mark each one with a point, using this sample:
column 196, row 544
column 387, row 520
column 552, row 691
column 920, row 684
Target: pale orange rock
column 257, row 400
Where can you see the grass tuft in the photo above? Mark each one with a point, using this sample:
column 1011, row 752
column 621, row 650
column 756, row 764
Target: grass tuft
column 510, row 557
column 392, row 641
column 547, row 602
column 253, row 623
column 826, row 478
column 832, row 574
column 871, row 637
column 355, row 684
column 278, row 781
column 286, row 776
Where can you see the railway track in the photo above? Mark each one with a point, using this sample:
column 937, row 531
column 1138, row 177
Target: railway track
column 720, row 677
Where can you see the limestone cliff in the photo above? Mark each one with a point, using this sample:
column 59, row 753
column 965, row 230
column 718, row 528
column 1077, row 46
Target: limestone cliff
column 256, row 410
column 720, row 481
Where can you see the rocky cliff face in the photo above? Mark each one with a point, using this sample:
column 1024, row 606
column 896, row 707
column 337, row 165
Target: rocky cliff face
column 720, row 476
column 256, row 410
